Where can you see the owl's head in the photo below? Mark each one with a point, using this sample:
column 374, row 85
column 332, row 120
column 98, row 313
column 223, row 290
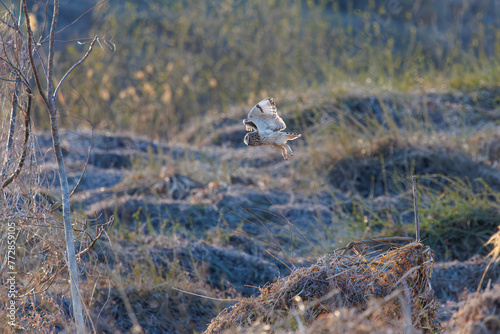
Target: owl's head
column 252, row 138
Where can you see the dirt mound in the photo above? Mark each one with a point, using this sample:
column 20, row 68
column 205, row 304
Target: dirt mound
column 445, row 112
column 387, row 170
column 156, row 309
column 398, row 278
column 220, row 267
column 451, row 280
column 154, row 214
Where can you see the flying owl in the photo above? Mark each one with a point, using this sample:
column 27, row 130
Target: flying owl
column 266, row 128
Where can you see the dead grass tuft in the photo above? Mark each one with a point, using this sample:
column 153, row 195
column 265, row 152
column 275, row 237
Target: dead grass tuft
column 481, row 313
column 397, row 281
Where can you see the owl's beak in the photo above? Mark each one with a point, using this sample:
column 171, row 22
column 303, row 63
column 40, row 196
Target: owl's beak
column 246, row 139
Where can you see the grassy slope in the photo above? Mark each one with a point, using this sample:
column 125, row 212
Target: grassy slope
column 379, row 94
column 349, row 180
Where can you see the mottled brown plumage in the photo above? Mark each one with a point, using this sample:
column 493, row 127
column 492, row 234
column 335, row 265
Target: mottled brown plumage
column 266, row 127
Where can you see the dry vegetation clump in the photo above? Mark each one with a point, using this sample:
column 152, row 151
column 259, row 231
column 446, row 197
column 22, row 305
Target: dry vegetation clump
column 396, row 281
column 481, row 313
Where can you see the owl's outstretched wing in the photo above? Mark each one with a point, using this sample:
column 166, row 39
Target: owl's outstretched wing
column 265, row 116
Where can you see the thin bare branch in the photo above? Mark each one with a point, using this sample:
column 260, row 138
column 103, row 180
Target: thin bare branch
column 44, row 40
column 8, row 80
column 354, row 243
column 13, row 65
column 8, row 24
column 77, row 40
column 415, row 208
column 84, row 167
column 267, row 232
column 79, row 17
column 274, row 257
column 109, row 44
column 20, row 18
column 17, row 68
column 86, row 250
column 48, row 278
column 290, row 224
column 30, row 53
column 206, row 297
column 50, row 63
column 57, row 207
column 27, row 119
column 44, row 25
column 13, row 116
column 11, row 13
column 136, row 328
column 74, row 66
column 42, row 62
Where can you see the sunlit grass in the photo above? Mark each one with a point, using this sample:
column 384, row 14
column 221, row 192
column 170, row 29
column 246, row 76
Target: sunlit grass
column 179, row 60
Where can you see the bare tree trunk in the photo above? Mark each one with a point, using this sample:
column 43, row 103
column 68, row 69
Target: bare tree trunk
column 68, row 228
column 49, row 97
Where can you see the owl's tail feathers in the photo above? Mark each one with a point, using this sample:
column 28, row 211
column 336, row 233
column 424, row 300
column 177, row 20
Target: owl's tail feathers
column 291, row 135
